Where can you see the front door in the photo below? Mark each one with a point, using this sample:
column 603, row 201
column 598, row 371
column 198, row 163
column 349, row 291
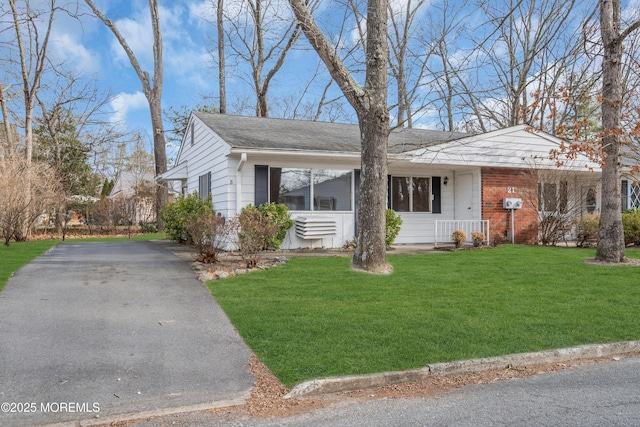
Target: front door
column 464, row 196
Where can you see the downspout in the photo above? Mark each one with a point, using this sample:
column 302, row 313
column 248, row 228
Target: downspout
column 243, row 160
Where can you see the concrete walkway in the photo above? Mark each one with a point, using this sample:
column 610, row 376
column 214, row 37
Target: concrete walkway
column 93, row 330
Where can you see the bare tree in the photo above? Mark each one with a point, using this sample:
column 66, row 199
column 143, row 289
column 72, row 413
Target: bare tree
column 563, row 198
column 7, row 134
column 19, row 208
column 407, row 67
column 446, row 71
column 33, row 59
column 31, row 42
column 610, row 232
column 259, row 35
column 222, row 79
column 152, row 89
column 370, row 104
column 525, row 46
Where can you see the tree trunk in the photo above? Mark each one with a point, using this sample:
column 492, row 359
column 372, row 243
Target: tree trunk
column 373, row 117
column 370, row 252
column 222, row 82
column 160, row 157
column 610, row 231
column 370, row 104
column 6, row 149
column 262, row 108
column 152, row 90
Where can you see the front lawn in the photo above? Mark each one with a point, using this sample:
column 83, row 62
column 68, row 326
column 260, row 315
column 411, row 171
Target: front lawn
column 315, row 317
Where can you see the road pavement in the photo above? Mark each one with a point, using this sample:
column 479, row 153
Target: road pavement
column 599, row 394
column 91, row 330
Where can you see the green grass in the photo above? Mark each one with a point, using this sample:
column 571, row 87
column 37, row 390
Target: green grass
column 14, row 257
column 315, row 317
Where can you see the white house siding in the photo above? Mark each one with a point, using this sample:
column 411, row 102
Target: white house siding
column 345, row 220
column 514, row 147
column 416, row 228
column 207, row 154
column 419, row 227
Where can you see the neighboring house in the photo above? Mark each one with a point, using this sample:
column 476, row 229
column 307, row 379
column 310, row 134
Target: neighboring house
column 630, row 188
column 133, row 194
column 438, row 181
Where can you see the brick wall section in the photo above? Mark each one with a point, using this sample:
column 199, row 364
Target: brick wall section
column 500, row 183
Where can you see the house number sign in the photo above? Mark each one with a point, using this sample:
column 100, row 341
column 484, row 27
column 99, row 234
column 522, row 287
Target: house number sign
column 511, row 190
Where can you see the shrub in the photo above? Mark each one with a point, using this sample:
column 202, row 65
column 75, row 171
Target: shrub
column 282, row 218
column 176, row 216
column 148, row 227
column 587, row 230
column 631, row 226
column 458, row 237
column 208, row 232
column 350, row 244
column 498, row 239
column 255, row 231
column 393, row 224
column 552, row 228
column 478, row 238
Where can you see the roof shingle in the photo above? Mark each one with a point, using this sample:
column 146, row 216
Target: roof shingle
column 284, row 134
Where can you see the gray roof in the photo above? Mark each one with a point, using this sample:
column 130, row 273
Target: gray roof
column 282, row 134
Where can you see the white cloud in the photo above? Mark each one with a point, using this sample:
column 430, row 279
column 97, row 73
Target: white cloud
column 631, row 11
column 124, row 104
column 355, row 38
column 201, row 12
column 137, row 32
column 66, row 49
column 182, row 57
column 400, row 7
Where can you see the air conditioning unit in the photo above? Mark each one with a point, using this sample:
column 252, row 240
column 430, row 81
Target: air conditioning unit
column 512, row 203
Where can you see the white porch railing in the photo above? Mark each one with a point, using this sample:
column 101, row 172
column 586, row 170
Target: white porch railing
column 444, row 229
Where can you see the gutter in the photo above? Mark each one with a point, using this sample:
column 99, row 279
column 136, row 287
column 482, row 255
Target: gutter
column 243, row 160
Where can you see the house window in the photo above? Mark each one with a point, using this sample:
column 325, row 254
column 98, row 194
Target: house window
column 290, row 187
column 591, row 200
column 204, row 185
column 552, row 197
column 634, row 196
column 410, row 194
column 630, row 195
column 331, row 190
column 305, row 189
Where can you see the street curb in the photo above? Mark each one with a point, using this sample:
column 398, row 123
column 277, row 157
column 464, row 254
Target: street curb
column 521, row 360
column 133, row 416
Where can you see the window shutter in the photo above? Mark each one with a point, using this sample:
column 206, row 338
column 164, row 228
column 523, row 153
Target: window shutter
column 356, row 198
column 624, row 192
column 261, row 185
column 389, row 185
column 436, row 189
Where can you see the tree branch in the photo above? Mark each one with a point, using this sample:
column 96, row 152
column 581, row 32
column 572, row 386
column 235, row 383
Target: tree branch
column 349, row 87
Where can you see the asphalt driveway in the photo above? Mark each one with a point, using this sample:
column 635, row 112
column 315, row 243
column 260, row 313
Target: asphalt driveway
column 90, row 330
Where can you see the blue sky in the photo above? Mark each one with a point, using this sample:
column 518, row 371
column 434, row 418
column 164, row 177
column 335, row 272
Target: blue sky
column 190, row 73
column 86, row 46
